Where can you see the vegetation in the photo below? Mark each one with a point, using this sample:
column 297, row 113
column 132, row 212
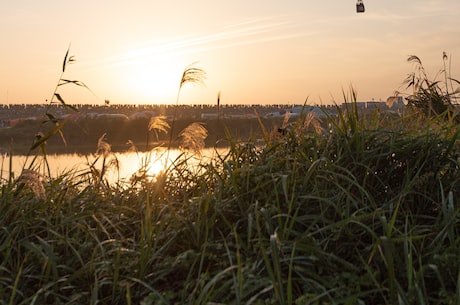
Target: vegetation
column 357, row 209
column 433, row 97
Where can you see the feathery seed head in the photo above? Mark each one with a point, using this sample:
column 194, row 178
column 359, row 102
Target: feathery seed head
column 193, row 137
column 192, row 75
column 159, row 123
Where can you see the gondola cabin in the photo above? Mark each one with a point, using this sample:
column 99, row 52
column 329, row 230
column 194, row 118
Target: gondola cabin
column 360, row 6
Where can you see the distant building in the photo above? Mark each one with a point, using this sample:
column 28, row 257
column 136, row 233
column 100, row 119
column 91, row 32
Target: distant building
column 209, row 116
column 147, row 114
column 393, row 103
column 315, row 110
column 109, row 116
column 276, row 114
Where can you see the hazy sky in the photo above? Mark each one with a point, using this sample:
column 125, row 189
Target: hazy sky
column 252, row 51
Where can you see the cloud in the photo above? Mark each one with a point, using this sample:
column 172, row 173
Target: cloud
column 238, row 34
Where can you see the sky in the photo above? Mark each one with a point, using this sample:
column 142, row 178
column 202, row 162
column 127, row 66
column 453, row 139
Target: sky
column 253, row 52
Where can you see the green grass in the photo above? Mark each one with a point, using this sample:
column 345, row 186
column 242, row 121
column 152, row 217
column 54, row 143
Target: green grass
column 361, row 211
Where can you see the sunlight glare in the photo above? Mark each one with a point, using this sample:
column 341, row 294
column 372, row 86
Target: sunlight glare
column 156, row 166
column 156, row 79
column 152, row 81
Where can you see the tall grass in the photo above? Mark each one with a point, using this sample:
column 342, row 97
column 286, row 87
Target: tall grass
column 433, row 97
column 52, row 124
column 355, row 209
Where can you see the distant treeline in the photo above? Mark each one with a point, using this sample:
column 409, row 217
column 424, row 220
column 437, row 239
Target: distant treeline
column 32, row 110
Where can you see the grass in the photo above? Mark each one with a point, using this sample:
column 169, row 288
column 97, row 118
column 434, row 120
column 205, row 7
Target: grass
column 362, row 213
column 356, row 209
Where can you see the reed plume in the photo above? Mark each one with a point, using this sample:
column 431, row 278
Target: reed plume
column 191, row 75
column 194, row 136
column 158, row 124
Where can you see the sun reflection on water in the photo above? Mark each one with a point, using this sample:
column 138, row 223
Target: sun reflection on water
column 149, row 163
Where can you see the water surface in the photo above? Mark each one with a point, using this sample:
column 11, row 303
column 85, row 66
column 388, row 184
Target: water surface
column 120, row 166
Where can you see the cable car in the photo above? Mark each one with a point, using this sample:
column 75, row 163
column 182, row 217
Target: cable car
column 360, row 6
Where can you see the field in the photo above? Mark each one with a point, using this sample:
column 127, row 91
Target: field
column 355, row 209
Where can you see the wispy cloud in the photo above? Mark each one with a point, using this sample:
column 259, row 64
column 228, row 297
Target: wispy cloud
column 239, row 34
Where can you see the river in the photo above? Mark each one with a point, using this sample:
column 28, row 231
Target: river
column 128, row 163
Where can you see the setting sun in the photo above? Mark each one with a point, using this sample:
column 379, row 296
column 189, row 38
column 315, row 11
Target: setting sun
column 150, row 75
column 151, row 80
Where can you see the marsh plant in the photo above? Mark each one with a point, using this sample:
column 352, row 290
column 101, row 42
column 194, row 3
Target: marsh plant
column 193, row 137
column 433, row 97
column 158, row 124
column 191, row 75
